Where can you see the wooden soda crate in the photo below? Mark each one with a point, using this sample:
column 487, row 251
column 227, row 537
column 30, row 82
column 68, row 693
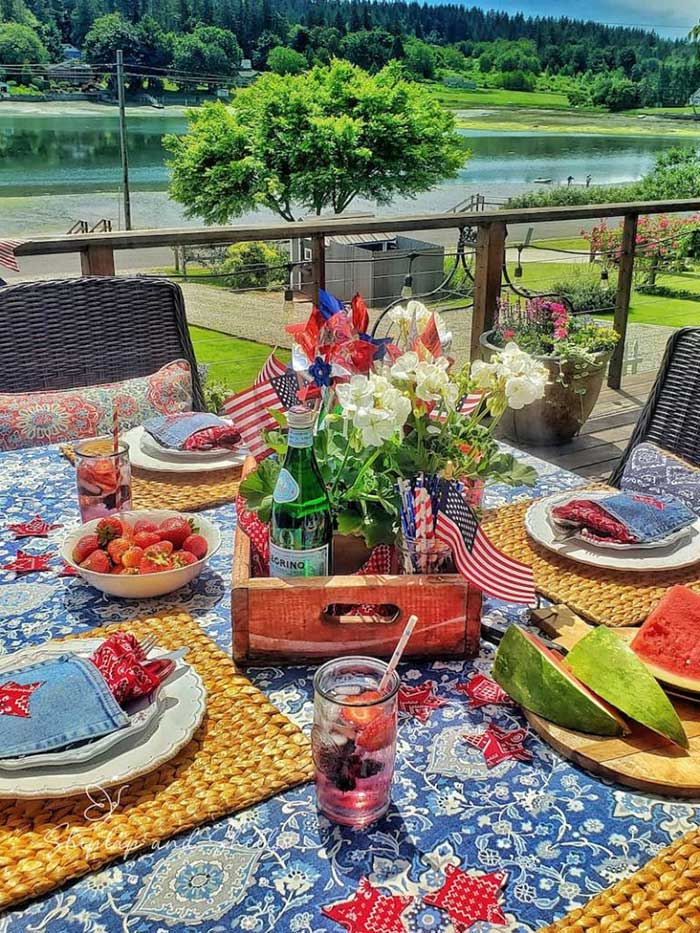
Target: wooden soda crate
column 285, row 621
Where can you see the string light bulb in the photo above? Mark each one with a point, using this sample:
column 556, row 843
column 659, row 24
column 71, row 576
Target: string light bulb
column 604, row 276
column 288, row 305
column 407, row 287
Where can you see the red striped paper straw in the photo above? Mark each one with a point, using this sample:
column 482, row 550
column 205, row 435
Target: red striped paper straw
column 115, row 427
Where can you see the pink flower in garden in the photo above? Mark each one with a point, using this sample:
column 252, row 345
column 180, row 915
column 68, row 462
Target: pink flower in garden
column 508, row 334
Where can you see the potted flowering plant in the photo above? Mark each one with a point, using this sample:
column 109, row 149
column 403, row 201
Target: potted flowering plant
column 400, row 411
column 573, row 349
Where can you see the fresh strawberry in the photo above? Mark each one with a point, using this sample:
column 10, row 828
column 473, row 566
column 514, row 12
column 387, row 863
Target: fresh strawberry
column 161, row 549
column 146, row 538
column 155, row 563
column 84, row 548
column 125, row 571
column 143, row 524
column 197, row 545
column 98, row 562
column 183, row 558
column 363, row 714
column 108, row 529
column 127, row 530
column 377, row 734
column 131, row 558
column 175, row 530
column 117, row 548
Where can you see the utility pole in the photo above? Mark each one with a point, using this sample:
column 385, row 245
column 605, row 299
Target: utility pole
column 122, row 139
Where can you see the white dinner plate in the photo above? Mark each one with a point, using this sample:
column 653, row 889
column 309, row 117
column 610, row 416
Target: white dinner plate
column 181, row 708
column 144, row 461
column 684, row 553
column 152, row 448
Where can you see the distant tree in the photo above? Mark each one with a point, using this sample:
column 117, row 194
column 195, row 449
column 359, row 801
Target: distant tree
column 369, row 48
column 485, row 62
column 156, row 45
column 313, row 142
column 266, row 42
column 20, row 45
column 84, row 14
column 208, row 50
column 109, row 33
column 286, row 61
column 615, row 92
column 517, row 81
column 420, row 59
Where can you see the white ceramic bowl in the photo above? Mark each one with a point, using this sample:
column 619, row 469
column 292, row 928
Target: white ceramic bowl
column 152, row 584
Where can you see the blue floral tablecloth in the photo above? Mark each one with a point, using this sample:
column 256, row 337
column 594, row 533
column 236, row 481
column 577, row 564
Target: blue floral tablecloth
column 561, row 835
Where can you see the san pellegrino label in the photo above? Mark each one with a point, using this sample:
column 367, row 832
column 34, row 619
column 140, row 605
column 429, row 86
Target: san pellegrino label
column 301, row 529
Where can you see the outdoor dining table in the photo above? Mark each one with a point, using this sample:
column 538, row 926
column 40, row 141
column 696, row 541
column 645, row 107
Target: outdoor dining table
column 560, row 834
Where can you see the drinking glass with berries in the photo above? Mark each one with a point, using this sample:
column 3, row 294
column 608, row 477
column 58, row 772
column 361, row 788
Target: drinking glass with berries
column 103, row 477
column 354, row 739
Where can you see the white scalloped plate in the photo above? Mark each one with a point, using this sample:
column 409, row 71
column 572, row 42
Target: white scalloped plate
column 181, row 708
column 684, row 553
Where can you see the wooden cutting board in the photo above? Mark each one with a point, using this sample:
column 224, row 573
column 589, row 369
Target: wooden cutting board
column 642, row 760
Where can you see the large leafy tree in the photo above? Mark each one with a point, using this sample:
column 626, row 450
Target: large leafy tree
column 20, row 45
column 313, row 142
column 208, row 50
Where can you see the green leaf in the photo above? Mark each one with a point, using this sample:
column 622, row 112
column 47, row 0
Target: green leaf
column 349, row 522
column 506, row 469
column 257, row 488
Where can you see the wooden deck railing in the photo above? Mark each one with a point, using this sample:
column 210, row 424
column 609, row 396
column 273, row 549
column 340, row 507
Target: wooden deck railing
column 97, row 249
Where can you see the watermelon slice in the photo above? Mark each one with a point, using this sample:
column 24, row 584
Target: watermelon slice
column 538, row 679
column 669, row 640
column 607, row 665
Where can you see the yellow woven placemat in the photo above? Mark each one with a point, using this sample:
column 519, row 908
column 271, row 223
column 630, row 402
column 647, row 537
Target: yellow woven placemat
column 186, row 491
column 664, row 895
column 604, row 596
column 245, row 751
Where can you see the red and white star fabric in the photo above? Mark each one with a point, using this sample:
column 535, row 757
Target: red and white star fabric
column 368, row 911
column 28, row 563
column 123, row 664
column 468, row 899
column 36, row 528
column 482, row 691
column 14, row 698
column 420, row 701
column 498, row 745
column 259, row 534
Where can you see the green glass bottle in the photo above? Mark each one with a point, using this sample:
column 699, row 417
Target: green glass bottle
column 301, row 531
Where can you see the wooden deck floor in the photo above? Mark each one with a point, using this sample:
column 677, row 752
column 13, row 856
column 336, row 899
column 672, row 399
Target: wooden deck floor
column 595, row 451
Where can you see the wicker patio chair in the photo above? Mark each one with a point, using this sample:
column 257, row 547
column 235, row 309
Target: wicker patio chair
column 63, row 334
column 671, row 415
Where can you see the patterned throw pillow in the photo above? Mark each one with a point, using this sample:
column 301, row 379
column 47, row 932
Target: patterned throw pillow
column 33, row 419
column 653, row 471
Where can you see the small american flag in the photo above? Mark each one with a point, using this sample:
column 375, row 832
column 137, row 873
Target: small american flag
column 249, row 410
column 7, row 254
column 476, row 558
column 470, row 403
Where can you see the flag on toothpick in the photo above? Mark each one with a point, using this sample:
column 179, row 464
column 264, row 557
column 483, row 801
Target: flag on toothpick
column 275, row 389
column 470, row 402
column 475, row 557
column 7, row 254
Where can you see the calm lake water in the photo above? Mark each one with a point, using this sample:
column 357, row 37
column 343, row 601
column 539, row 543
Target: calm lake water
column 56, row 168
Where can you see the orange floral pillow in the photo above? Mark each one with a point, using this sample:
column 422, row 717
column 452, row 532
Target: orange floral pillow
column 33, row 419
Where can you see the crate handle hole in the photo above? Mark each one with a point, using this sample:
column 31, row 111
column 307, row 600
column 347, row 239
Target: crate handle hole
column 365, row 614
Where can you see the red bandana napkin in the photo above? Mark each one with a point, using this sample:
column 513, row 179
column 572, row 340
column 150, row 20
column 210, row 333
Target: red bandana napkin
column 467, row 899
column 124, row 667
column 482, row 691
column 368, row 911
column 14, row 698
column 498, row 745
column 36, row 528
column 209, row 438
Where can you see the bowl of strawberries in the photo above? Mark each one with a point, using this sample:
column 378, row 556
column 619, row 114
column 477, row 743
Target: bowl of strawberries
column 142, row 553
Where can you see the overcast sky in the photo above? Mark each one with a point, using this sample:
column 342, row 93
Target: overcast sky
column 674, row 18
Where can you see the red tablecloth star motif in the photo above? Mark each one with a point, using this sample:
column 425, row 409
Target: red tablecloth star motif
column 467, row 899
column 498, row 745
column 36, row 528
column 482, row 691
column 368, row 911
column 28, row 563
column 420, row 701
column 14, row 698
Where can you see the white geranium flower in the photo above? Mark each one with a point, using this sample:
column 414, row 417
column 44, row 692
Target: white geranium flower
column 483, row 374
column 374, row 406
column 354, row 395
column 433, row 384
column 376, row 426
column 404, row 369
column 518, row 376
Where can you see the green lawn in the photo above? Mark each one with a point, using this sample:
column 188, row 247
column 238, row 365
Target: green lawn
column 575, row 242
column 463, row 98
column 232, row 361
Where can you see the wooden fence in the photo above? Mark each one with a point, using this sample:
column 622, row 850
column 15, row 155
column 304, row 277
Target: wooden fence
column 97, row 249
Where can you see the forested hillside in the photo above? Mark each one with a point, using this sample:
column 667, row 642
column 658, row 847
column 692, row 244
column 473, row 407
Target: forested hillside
column 595, row 65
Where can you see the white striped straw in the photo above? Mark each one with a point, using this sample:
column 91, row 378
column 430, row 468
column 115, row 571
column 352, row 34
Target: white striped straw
column 398, row 651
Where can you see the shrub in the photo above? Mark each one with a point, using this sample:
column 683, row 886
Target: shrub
column 586, row 292
column 253, row 265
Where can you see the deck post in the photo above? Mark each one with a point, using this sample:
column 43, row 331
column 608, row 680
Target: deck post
column 488, row 272
column 622, row 298
column 97, row 260
column 318, row 265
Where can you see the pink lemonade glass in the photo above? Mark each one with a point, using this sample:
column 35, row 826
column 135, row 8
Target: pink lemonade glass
column 354, row 739
column 103, row 476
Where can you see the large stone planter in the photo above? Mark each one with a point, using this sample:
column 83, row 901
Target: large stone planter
column 569, row 399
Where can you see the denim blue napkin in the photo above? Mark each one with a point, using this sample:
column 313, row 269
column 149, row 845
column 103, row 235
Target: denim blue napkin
column 647, row 518
column 67, row 701
column 173, row 430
